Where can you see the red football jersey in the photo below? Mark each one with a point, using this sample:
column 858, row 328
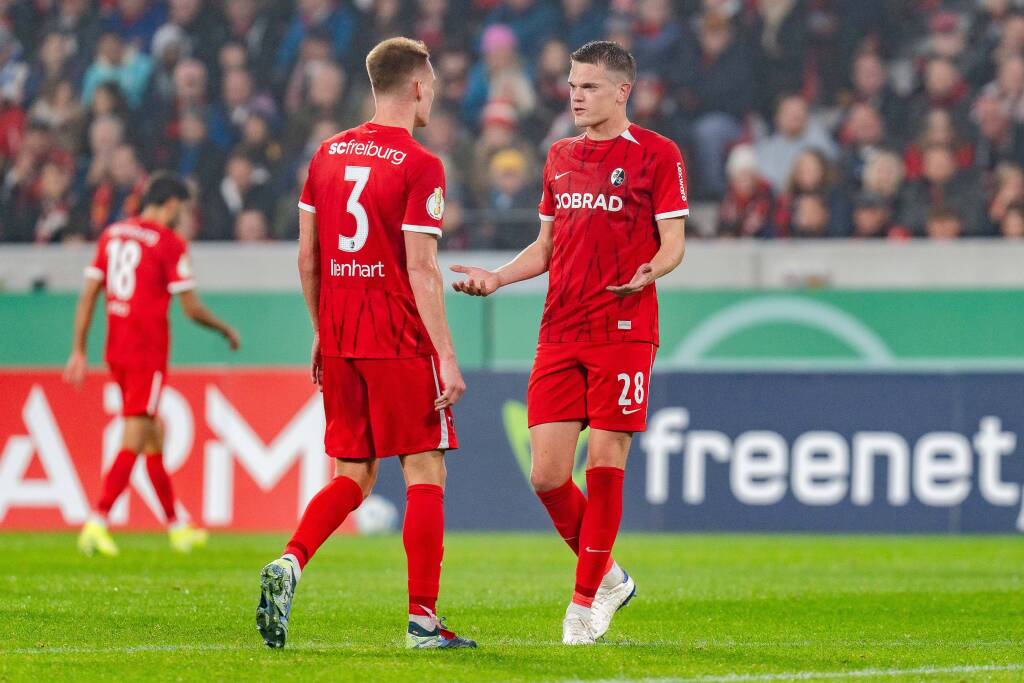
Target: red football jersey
column 367, row 186
column 605, row 198
column 143, row 264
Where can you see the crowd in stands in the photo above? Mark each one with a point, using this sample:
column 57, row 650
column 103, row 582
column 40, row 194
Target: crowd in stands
column 797, row 118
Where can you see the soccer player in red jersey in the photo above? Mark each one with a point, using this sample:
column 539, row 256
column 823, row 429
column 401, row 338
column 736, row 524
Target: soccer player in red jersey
column 140, row 263
column 611, row 223
column 369, row 221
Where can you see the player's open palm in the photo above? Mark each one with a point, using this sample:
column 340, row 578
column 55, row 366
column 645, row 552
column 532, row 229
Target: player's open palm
column 452, row 384
column 74, row 371
column 478, row 282
column 643, row 277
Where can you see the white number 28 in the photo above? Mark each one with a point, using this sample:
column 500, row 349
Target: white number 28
column 638, row 388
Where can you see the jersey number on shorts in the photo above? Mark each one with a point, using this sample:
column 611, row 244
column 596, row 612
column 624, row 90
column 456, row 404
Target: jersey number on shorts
column 123, row 258
column 638, row 388
column 358, row 175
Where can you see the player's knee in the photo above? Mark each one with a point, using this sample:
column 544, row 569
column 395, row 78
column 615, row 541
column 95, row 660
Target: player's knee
column 545, row 481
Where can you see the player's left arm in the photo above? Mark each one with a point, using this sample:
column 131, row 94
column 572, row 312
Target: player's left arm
column 74, row 371
column 668, row 258
column 670, row 204
column 178, row 272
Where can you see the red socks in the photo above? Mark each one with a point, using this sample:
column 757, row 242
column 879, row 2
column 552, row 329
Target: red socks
column 324, row 514
column 598, row 531
column 115, row 480
column 566, row 506
column 423, row 536
column 161, row 484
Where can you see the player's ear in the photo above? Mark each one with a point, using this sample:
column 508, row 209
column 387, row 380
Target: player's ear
column 624, row 90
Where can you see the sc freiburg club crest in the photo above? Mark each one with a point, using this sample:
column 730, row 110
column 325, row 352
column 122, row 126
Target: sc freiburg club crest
column 618, row 177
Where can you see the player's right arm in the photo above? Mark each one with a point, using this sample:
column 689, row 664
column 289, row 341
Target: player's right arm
column 529, row 263
column 74, row 371
column 309, row 275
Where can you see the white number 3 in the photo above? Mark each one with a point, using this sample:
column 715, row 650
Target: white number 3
column 638, row 389
column 358, row 175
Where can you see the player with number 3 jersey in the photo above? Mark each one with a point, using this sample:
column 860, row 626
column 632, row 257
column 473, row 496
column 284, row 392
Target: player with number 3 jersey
column 369, row 222
column 612, row 222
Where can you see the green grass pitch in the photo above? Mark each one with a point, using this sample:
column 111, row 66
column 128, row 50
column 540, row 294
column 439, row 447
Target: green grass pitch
column 709, row 608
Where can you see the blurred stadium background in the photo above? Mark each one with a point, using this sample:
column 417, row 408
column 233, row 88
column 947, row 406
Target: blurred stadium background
column 842, row 348
column 844, row 337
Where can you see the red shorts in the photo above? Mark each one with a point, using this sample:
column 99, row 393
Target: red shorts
column 140, row 389
column 376, row 407
column 603, row 384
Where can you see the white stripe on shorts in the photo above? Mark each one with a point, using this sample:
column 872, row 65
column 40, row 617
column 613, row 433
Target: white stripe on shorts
column 444, row 418
column 154, row 392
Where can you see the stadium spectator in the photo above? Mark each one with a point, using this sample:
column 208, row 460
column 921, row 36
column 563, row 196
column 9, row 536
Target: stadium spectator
column 118, row 192
column 337, row 21
column 195, row 156
column 780, row 41
column 715, row 87
column 810, row 217
column 532, row 21
column 883, row 176
column 201, row 23
column 813, row 174
column 285, row 224
column 135, row 22
column 746, row 208
column 118, row 63
column 657, row 37
column 251, row 226
column 872, row 216
column 499, row 76
column 582, row 22
column 79, row 23
column 449, row 142
column 938, row 129
column 457, row 235
column 512, row 201
column 795, row 131
column 870, row 81
column 943, row 224
column 58, row 108
column 50, row 65
column 861, row 135
column 940, row 186
column 324, row 99
column 944, row 88
column 439, row 24
column 1012, row 225
column 500, row 131
column 1000, row 139
column 254, row 30
column 1008, row 180
column 238, row 191
column 239, row 98
column 14, row 71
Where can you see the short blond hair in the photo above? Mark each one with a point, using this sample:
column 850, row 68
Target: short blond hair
column 392, row 61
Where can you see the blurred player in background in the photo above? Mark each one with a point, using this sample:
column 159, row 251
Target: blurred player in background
column 612, row 215
column 369, row 221
column 140, row 263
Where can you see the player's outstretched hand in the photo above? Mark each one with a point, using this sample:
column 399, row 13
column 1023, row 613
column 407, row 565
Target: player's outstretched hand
column 478, row 282
column 316, row 370
column 453, row 386
column 234, row 341
column 644, row 276
column 74, row 371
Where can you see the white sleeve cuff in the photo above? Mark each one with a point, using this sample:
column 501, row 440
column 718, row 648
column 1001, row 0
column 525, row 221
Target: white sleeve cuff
column 181, row 286
column 307, row 207
column 428, row 229
column 671, row 214
column 546, row 218
column 94, row 273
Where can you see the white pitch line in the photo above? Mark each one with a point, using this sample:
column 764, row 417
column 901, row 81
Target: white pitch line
column 816, row 675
